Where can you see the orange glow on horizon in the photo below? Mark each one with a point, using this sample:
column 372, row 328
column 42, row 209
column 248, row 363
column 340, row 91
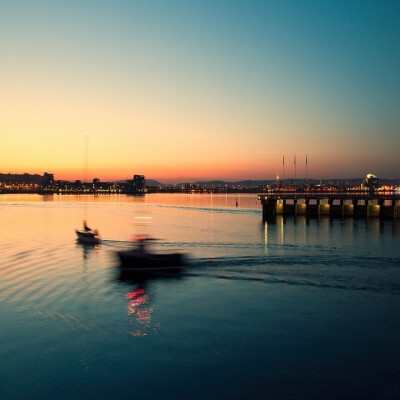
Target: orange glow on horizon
column 183, row 173
column 193, row 171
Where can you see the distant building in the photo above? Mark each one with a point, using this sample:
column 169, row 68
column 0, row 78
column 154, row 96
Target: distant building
column 136, row 185
column 48, row 181
column 63, row 186
column 96, row 183
column 139, row 182
column 371, row 182
column 186, row 186
column 78, row 185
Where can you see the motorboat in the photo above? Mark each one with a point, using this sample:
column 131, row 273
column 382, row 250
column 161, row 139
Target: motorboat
column 131, row 260
column 88, row 236
column 140, row 260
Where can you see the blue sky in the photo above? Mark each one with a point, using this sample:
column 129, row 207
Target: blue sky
column 217, row 89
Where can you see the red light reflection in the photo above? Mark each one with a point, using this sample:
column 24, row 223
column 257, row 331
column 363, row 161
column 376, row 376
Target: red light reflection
column 137, row 302
column 135, row 293
column 140, row 313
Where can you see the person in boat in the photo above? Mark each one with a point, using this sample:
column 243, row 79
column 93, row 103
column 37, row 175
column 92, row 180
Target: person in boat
column 141, row 244
column 85, row 227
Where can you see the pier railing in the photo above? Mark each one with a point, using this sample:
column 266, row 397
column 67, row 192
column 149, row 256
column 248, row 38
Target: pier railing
column 337, row 204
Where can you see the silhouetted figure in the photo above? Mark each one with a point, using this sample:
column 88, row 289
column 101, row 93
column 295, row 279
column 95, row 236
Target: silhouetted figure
column 237, row 203
column 85, row 227
column 141, row 244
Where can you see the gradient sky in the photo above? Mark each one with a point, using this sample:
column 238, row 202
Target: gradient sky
column 187, row 90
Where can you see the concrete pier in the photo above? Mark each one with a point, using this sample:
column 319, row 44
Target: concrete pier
column 332, row 205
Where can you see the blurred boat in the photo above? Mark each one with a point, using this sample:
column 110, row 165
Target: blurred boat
column 140, row 260
column 87, row 235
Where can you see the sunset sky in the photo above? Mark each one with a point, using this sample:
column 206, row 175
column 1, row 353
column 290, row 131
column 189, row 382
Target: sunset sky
column 188, row 90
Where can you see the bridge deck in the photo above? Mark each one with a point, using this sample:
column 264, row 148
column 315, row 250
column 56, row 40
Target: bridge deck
column 333, row 204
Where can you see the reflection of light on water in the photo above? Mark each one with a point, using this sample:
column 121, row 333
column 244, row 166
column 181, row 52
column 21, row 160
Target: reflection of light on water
column 273, row 234
column 133, row 304
column 144, row 220
column 266, row 238
column 281, row 229
column 140, row 313
column 138, row 332
column 145, row 224
column 144, row 316
column 135, row 293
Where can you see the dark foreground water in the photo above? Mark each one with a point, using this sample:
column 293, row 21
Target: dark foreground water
column 290, row 310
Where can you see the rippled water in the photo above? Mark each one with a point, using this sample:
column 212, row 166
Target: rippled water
column 294, row 309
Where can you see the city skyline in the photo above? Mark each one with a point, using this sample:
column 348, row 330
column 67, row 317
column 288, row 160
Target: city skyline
column 206, row 91
column 37, row 179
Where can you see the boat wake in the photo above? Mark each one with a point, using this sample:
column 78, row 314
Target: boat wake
column 352, row 273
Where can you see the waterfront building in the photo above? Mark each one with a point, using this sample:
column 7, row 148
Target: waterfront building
column 78, row 185
column 48, row 181
column 96, row 183
column 136, row 185
column 371, row 182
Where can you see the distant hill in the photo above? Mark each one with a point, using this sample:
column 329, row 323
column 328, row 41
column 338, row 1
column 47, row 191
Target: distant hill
column 246, row 183
column 250, row 183
column 153, row 182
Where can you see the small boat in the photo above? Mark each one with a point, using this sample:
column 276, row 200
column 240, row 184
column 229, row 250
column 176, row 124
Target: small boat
column 140, row 260
column 89, row 237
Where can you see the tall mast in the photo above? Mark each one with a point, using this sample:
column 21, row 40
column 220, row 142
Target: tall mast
column 86, row 156
column 306, row 169
column 85, row 171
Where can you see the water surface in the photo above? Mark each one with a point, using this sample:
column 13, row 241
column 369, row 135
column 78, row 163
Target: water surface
column 294, row 309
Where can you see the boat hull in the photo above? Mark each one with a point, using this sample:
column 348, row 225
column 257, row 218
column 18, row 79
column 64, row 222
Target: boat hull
column 132, row 261
column 87, row 237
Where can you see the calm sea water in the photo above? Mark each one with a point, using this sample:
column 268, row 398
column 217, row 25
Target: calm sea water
column 262, row 311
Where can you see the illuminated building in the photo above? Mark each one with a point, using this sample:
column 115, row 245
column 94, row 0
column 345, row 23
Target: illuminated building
column 371, row 182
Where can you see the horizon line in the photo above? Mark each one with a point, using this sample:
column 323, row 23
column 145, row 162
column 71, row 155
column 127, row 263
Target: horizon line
column 205, row 180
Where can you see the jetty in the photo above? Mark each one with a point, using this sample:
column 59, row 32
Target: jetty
column 332, row 205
